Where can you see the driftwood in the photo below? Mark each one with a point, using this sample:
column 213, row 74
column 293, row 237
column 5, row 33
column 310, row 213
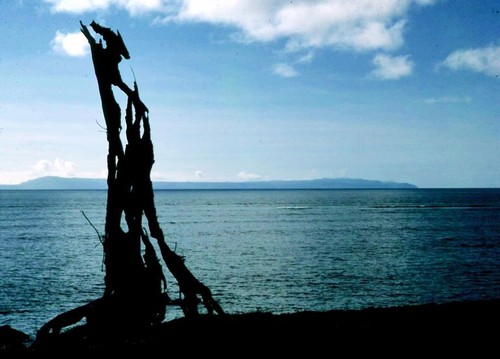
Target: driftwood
column 135, row 286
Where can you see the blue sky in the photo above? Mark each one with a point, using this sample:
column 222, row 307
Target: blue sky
column 393, row 90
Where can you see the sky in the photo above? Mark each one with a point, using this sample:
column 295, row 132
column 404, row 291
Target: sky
column 243, row 90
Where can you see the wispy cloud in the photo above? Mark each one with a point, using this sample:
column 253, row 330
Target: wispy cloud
column 426, row 2
column 248, row 176
column 72, row 44
column 391, row 67
column 78, row 7
column 138, row 7
column 284, row 70
column 133, row 7
column 483, row 60
column 307, row 58
column 447, row 99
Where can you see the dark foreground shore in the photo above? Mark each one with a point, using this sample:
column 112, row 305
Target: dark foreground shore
column 461, row 327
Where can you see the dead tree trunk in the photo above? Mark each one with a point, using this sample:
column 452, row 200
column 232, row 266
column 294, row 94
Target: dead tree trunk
column 135, row 286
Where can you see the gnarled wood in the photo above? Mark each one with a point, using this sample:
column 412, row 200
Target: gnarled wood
column 135, row 286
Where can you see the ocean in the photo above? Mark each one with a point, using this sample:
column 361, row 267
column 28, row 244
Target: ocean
column 277, row 251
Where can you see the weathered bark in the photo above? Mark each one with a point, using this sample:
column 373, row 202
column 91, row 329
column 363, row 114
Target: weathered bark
column 135, row 286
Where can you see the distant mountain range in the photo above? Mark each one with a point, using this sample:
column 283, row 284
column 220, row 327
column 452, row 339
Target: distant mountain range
column 62, row 183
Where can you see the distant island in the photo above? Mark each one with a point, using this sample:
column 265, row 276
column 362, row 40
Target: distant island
column 63, row 183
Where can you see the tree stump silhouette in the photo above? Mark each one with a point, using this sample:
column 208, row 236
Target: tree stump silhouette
column 135, row 287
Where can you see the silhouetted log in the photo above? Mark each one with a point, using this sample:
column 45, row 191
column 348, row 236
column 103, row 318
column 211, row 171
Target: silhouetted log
column 135, row 294
column 139, row 156
column 188, row 284
column 130, row 282
column 130, row 192
column 63, row 320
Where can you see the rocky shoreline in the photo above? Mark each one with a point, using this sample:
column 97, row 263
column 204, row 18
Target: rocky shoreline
column 457, row 326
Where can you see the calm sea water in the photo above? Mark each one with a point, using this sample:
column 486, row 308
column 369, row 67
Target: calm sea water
column 262, row 250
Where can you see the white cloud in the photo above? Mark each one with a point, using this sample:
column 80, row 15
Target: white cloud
column 137, row 7
column 133, row 7
column 354, row 24
column 79, row 6
column 58, row 167
column 447, row 99
column 72, row 44
column 361, row 25
column 483, row 60
column 391, row 67
column 248, row 176
column 284, row 70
